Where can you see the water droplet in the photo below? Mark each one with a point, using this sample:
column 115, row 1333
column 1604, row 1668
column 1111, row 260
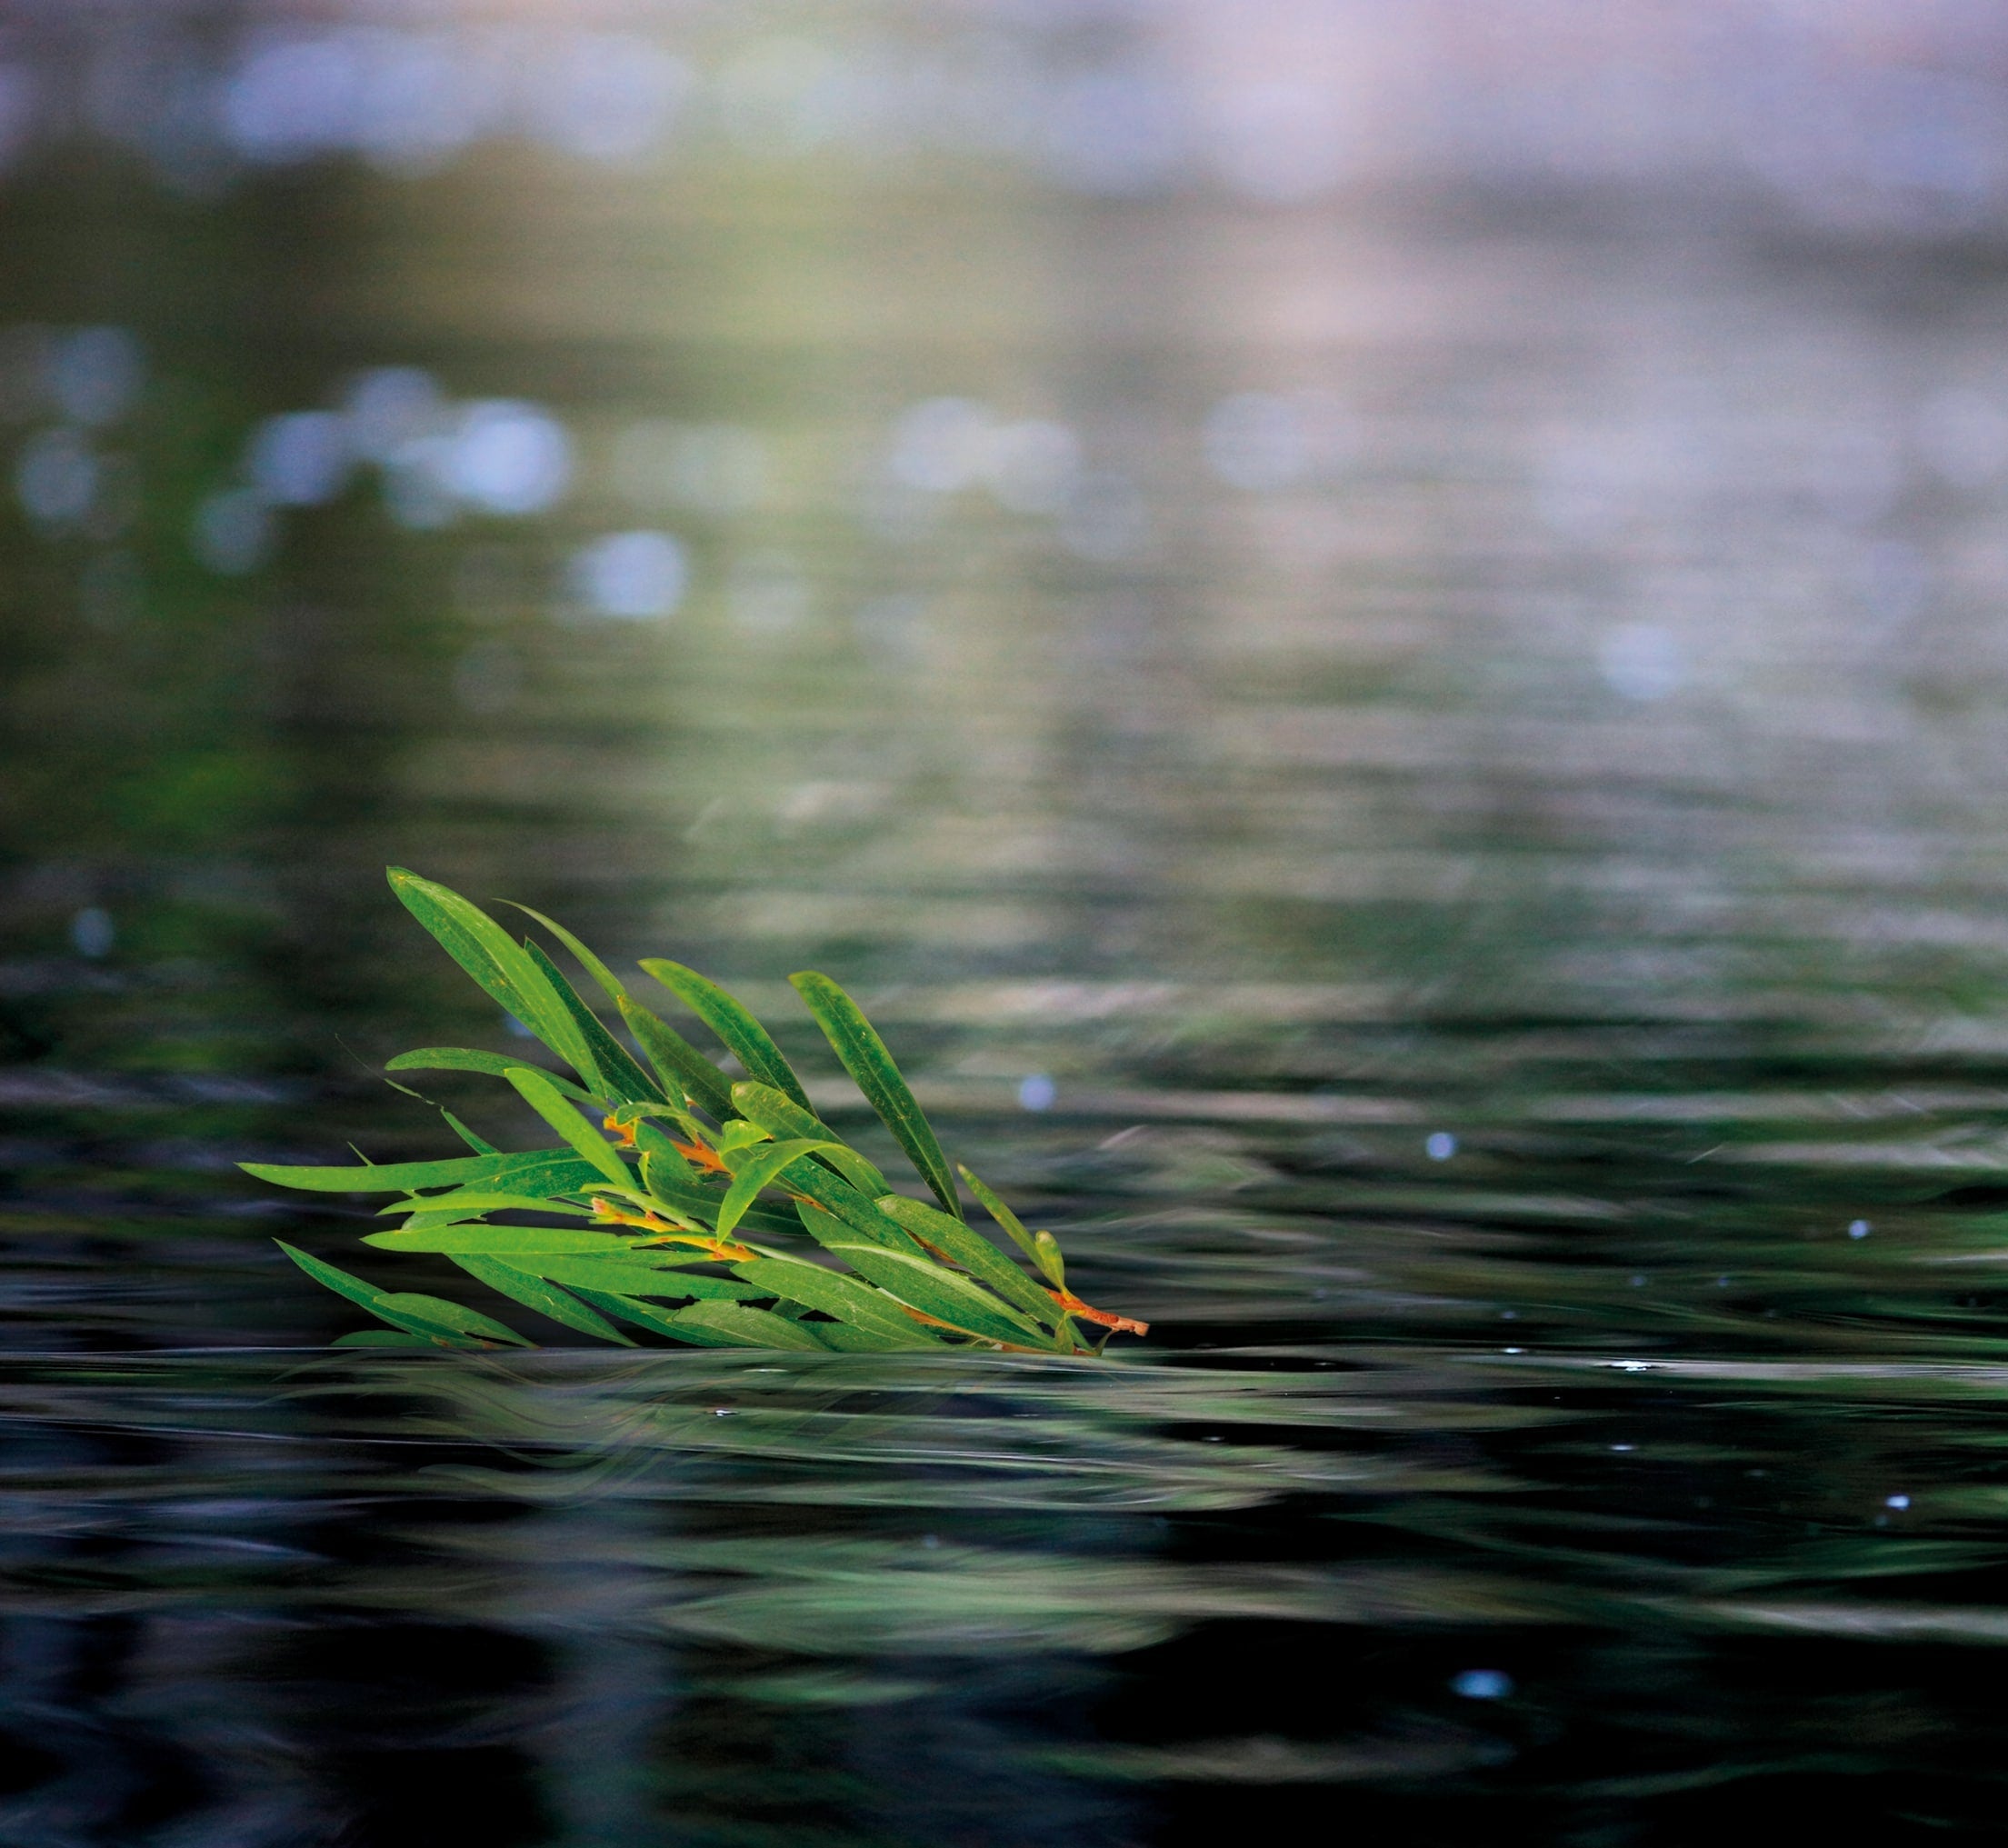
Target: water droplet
column 1482, row 1685
column 1858, row 1228
column 1898, row 1501
column 1441, row 1146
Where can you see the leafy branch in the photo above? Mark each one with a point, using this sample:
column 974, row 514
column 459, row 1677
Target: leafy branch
column 682, row 1197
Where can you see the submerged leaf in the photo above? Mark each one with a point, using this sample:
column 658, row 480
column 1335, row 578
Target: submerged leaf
column 750, row 1042
column 857, row 1042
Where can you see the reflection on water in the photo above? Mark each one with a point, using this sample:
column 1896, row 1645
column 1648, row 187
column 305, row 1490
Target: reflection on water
column 1374, row 646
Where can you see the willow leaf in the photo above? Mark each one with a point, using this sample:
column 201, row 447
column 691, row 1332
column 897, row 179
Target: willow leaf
column 750, row 1042
column 756, row 1169
column 745, row 1327
column 785, row 1120
column 993, row 1204
column 974, row 1252
column 438, row 1313
column 504, row 1241
column 390, row 1337
column 468, row 1059
column 591, row 964
column 543, row 1097
column 403, row 1177
column 488, row 952
column 683, row 1070
column 855, row 1304
column 857, row 1042
column 622, row 1080
column 547, row 1299
column 922, row 1285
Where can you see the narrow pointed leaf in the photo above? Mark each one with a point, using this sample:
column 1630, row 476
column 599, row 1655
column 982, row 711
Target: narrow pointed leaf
column 486, row 952
column 749, row 1327
column 621, row 1079
column 389, row 1337
column 758, row 1169
column 437, row 1312
column 837, row 1198
column 466, row 1201
column 468, row 1059
column 506, row 1241
column 922, row 1285
column 855, row 1304
column 426, row 1315
column 543, row 1097
column 993, row 1204
column 670, row 1322
column 534, row 1170
column 784, row 1120
column 629, row 1276
column 683, row 1070
column 857, row 1042
column 750, row 1042
column 973, row 1253
column 480, row 1144
column 591, row 964
column 547, row 1299
column 1046, row 1255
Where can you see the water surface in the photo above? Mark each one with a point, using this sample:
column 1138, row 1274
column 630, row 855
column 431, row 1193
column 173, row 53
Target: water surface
column 1413, row 759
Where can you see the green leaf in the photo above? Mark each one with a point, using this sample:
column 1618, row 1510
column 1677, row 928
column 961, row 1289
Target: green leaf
column 485, row 951
column 634, row 1277
column 767, row 1109
column 464, row 1203
column 973, row 1252
column 662, row 1321
column 853, row 1303
column 547, row 1299
column 756, row 1169
column 837, row 1196
column 750, row 1042
column 922, row 1285
column 683, row 1070
column 857, row 1042
column 534, row 1170
column 591, row 964
column 543, row 1097
column 480, row 1144
column 745, row 1327
column 410, row 1306
column 993, row 1204
column 426, row 1315
column 848, row 1337
column 503, row 1241
column 466, row 1059
column 621, row 1078
column 1046, row 1253
column 389, row 1337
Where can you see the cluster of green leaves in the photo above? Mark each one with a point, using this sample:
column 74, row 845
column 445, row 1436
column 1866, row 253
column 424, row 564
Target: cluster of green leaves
column 674, row 1194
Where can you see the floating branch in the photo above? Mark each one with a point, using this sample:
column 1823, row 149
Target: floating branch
column 718, row 1213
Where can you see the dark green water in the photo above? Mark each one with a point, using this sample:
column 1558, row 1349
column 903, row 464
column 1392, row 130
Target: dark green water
column 1467, row 886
